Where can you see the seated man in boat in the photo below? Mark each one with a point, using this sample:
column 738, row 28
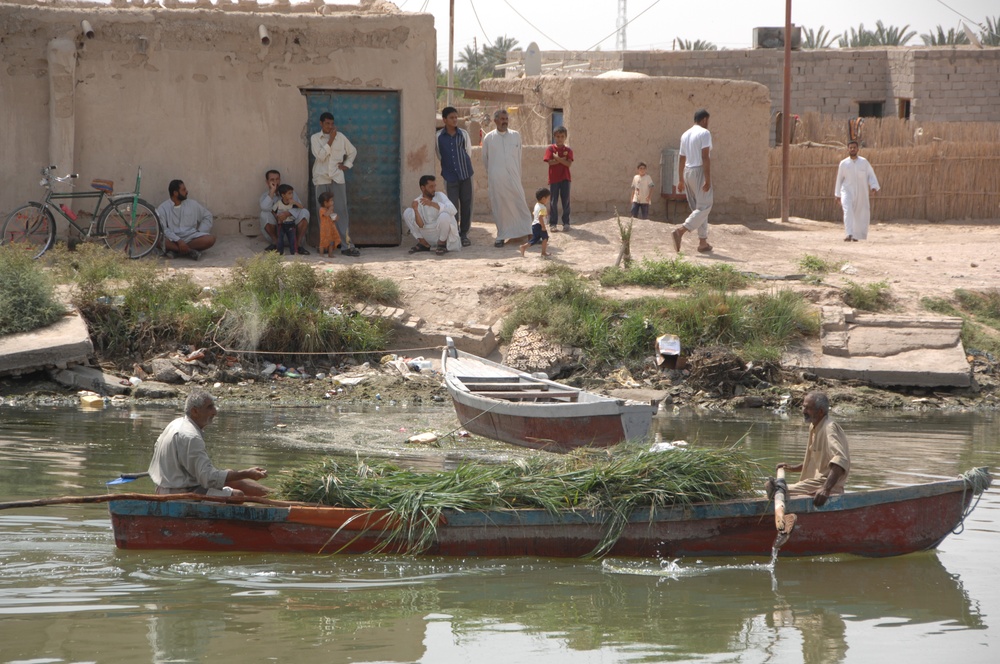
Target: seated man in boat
column 827, row 461
column 180, row 462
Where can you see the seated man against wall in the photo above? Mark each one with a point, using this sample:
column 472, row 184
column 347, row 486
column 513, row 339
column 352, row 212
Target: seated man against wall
column 186, row 224
column 268, row 220
column 431, row 219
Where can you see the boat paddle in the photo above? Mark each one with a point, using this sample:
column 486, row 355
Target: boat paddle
column 784, row 523
column 108, row 497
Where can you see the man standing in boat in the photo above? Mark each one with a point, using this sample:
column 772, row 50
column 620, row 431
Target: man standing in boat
column 180, row 462
column 827, row 461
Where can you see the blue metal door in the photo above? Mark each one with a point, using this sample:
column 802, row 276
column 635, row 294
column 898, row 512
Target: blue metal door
column 370, row 120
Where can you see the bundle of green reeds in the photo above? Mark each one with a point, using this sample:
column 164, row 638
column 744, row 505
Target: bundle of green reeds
column 609, row 483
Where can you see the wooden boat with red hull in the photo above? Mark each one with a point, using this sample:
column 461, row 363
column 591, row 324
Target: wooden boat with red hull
column 502, row 403
column 879, row 523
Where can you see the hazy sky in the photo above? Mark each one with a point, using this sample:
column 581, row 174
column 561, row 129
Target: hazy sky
column 583, row 24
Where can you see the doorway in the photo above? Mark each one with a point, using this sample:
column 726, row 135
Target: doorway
column 370, row 120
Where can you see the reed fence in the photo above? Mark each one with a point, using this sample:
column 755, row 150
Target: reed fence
column 936, row 181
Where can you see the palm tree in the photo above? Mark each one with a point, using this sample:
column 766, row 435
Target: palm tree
column 951, row 38
column 881, row 36
column 480, row 65
column 857, row 39
column 819, row 39
column 990, row 36
column 697, row 45
column 893, row 36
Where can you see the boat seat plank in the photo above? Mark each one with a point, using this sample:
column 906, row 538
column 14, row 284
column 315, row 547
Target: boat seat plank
column 503, row 380
column 488, row 387
column 538, row 394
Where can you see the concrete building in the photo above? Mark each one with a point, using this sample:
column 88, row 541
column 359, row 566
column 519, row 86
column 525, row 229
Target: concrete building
column 926, row 84
column 615, row 121
column 215, row 95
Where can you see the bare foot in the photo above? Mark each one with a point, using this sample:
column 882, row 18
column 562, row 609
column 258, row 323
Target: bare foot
column 523, row 248
column 546, row 253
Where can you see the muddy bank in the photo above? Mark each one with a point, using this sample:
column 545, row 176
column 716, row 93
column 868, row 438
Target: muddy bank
column 395, row 381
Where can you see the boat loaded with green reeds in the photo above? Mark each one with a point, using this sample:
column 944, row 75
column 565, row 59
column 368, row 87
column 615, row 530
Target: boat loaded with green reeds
column 612, row 483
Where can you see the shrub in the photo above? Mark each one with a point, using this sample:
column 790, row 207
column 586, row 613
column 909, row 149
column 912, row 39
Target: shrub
column 675, row 272
column 27, row 296
column 868, row 297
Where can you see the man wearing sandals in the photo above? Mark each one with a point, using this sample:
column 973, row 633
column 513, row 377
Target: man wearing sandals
column 502, row 160
column 695, row 165
column 854, row 178
column 431, row 220
column 186, row 224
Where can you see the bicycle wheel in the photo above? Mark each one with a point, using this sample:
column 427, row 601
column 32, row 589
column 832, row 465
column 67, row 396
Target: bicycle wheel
column 135, row 235
column 30, row 226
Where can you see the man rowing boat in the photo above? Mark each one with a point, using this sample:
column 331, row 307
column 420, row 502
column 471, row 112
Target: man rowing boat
column 180, row 461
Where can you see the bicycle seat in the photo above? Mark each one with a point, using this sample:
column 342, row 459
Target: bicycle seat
column 107, row 186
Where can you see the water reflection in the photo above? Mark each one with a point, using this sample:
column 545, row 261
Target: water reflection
column 66, row 593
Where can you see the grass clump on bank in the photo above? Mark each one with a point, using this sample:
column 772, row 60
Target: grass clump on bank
column 266, row 305
column 980, row 313
column 674, row 273
column 613, row 485
column 876, row 296
column 568, row 311
column 816, row 265
column 27, row 296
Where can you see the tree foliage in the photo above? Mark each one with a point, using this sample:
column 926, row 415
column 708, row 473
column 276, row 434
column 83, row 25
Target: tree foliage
column 990, row 35
column 480, row 64
column 821, row 38
column 696, row 45
column 941, row 38
column 882, row 35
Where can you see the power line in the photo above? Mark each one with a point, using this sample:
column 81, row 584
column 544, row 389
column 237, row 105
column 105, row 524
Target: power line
column 539, row 29
column 655, row 2
column 485, row 36
column 963, row 15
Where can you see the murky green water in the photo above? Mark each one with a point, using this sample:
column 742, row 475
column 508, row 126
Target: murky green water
column 67, row 595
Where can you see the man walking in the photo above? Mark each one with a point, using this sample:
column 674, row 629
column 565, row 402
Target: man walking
column 454, row 149
column 855, row 177
column 695, row 165
column 502, row 160
column 334, row 154
column 187, row 224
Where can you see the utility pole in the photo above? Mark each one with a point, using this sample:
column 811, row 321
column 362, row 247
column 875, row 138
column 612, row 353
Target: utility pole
column 451, row 50
column 620, row 25
column 786, row 110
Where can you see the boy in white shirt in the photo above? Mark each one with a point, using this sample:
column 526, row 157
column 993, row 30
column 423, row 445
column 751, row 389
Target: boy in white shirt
column 539, row 231
column 642, row 188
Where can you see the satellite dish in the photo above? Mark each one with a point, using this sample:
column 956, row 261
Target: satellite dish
column 973, row 39
column 532, row 60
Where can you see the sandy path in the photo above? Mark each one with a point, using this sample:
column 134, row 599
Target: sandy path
column 917, row 259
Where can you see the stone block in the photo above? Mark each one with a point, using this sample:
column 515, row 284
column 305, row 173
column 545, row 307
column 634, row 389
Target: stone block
column 88, row 378
column 65, row 342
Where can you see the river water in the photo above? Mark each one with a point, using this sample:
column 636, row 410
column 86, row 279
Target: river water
column 67, row 595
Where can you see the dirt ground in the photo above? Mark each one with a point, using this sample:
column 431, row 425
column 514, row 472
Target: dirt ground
column 917, row 259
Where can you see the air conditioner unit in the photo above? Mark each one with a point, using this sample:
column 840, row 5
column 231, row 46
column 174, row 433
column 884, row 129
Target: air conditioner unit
column 668, row 170
column 775, row 37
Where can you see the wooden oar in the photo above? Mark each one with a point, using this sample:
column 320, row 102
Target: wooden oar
column 783, row 523
column 108, row 497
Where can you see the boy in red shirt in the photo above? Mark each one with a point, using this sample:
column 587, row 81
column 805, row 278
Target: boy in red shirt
column 559, row 157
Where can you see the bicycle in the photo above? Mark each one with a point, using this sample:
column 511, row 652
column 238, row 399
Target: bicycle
column 126, row 223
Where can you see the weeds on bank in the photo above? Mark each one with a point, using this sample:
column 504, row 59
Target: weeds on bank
column 27, row 296
column 980, row 313
column 265, row 305
column 567, row 309
column 674, row 273
column 816, row 265
column 868, row 297
column 356, row 284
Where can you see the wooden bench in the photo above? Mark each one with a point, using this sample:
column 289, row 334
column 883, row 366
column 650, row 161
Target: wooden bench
column 548, row 395
column 489, row 387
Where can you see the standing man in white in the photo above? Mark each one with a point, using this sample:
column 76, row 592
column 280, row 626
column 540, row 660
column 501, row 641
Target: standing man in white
column 502, row 160
column 695, row 164
column 854, row 178
column 334, row 154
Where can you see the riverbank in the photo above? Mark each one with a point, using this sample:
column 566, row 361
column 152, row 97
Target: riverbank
column 474, row 287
